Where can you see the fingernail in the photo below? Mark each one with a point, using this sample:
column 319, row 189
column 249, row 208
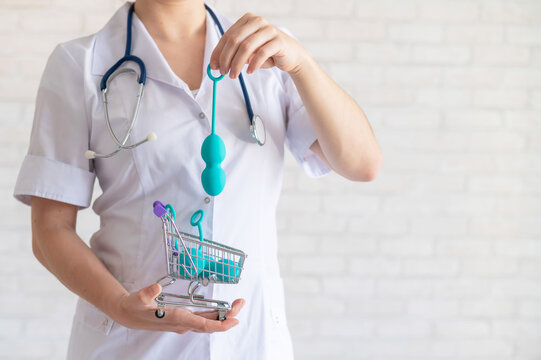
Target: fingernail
column 213, row 65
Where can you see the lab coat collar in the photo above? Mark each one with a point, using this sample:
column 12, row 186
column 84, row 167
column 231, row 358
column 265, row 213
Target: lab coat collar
column 111, row 42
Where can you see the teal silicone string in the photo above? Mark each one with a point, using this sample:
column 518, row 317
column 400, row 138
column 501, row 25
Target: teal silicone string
column 214, row 81
column 213, row 107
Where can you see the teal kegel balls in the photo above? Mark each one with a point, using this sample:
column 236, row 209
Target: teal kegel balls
column 184, row 259
column 213, row 150
column 224, row 269
column 213, row 153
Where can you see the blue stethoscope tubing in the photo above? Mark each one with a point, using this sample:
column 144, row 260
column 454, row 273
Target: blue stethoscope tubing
column 257, row 128
column 141, row 79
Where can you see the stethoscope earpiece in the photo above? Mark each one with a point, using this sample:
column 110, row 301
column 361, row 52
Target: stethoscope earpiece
column 89, row 154
column 152, row 136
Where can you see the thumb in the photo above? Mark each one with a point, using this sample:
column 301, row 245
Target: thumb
column 147, row 294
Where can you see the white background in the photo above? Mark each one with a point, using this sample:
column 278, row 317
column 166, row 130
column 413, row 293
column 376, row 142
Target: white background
column 439, row 258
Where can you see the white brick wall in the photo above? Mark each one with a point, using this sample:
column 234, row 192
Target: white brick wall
column 440, row 258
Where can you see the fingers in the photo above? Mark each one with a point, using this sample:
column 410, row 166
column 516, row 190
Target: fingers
column 214, row 63
column 236, row 307
column 262, row 54
column 233, row 38
column 213, row 314
column 147, row 294
column 202, row 324
column 248, row 47
column 210, row 322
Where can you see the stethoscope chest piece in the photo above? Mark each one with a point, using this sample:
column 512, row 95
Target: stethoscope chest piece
column 257, row 129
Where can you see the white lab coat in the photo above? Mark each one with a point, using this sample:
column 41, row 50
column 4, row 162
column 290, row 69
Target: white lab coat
column 69, row 120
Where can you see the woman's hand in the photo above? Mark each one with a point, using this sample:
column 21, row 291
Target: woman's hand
column 136, row 311
column 254, row 41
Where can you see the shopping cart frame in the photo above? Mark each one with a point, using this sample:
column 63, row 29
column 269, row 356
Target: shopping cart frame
column 221, row 264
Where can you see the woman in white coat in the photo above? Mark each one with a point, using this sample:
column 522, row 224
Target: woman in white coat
column 303, row 109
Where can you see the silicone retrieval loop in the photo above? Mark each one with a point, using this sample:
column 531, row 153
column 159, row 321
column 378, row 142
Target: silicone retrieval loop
column 209, row 73
column 196, row 219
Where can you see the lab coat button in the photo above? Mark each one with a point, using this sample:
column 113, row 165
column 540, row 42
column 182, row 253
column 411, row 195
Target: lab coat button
column 207, row 200
column 201, row 115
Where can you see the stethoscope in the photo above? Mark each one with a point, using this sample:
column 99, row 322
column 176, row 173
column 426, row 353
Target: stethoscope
column 257, row 128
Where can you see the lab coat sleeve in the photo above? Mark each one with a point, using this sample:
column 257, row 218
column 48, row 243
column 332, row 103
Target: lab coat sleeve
column 300, row 133
column 55, row 166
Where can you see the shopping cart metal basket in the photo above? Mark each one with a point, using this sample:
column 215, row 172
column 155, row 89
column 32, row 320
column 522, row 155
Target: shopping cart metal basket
column 196, row 259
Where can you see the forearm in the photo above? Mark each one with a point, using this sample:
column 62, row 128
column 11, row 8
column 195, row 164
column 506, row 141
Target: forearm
column 344, row 134
column 65, row 255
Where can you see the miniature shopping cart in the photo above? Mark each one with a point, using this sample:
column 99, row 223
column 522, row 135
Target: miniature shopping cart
column 194, row 258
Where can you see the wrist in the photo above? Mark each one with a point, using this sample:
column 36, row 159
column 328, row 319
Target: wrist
column 303, row 67
column 115, row 306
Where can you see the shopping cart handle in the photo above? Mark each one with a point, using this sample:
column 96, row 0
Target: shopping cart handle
column 159, row 209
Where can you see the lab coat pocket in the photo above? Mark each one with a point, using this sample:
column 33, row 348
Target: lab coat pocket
column 92, row 317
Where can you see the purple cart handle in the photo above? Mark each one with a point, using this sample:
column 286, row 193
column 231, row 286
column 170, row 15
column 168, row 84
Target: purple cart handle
column 159, row 209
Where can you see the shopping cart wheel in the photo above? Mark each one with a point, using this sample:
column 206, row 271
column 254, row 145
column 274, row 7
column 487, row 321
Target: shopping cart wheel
column 160, row 313
column 222, row 311
column 221, row 314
